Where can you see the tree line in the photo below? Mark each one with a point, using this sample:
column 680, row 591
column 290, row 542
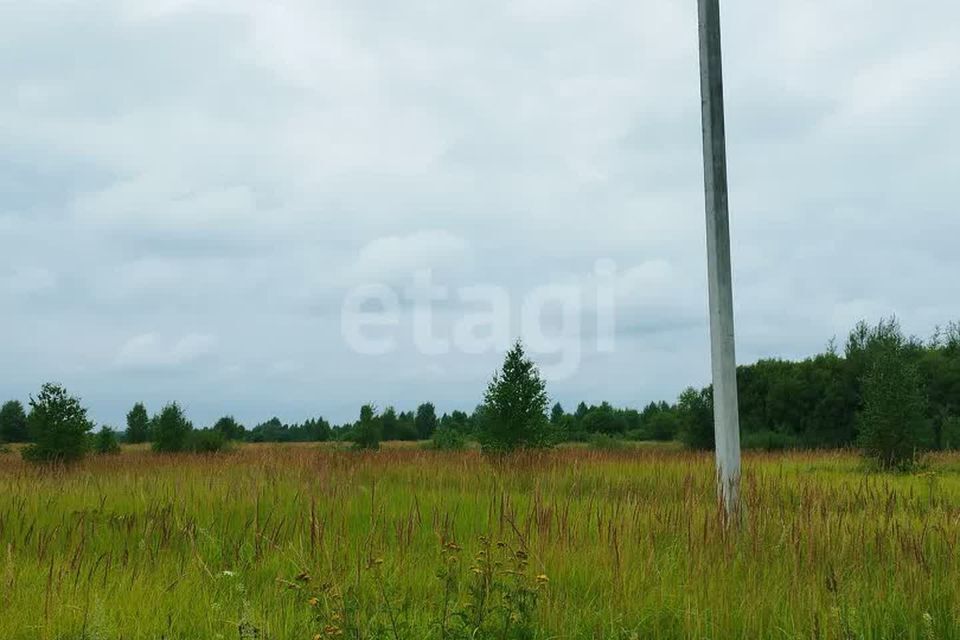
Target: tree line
column 888, row 393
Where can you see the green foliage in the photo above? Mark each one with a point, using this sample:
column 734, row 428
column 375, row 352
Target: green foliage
column 138, row 424
column 426, row 420
column 367, row 433
column 207, row 441
column 273, row 430
column 13, row 423
column 515, row 406
column 389, row 424
column 448, row 439
column 459, row 421
column 105, row 442
column 604, row 442
column 768, row 440
column 172, row 430
column 604, row 419
column 406, row 426
column 229, row 428
column 662, row 425
column 58, row 426
column 695, row 418
column 951, row 434
column 893, row 426
column 581, row 412
column 557, row 415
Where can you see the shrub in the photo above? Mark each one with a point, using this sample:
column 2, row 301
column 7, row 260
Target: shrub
column 605, row 442
column 447, row 439
column 105, row 442
column 207, row 441
column 893, row 424
column 695, row 417
column 768, row 440
column 58, row 425
column 951, row 433
column 604, row 419
column 171, row 430
column 229, row 428
column 368, row 431
column 662, row 426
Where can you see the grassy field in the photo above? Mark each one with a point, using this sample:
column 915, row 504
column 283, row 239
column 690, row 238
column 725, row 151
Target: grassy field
column 304, row 542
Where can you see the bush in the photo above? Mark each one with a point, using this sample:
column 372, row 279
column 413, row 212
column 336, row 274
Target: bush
column 105, row 442
column 662, row 426
column 695, row 419
column 604, row 442
column 447, row 439
column 229, row 428
column 951, row 433
column 768, row 440
column 368, row 432
column 893, row 424
column 171, row 430
column 58, row 425
column 604, row 419
column 207, row 441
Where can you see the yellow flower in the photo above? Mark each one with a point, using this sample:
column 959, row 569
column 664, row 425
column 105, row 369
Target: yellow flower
column 314, row 601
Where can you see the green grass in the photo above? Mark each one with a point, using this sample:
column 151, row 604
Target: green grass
column 302, row 541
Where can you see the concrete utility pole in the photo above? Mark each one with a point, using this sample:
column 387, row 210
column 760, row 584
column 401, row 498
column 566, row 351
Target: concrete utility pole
column 725, row 405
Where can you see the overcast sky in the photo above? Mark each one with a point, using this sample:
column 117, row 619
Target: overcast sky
column 189, row 190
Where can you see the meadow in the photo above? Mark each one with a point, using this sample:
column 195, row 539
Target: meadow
column 284, row 542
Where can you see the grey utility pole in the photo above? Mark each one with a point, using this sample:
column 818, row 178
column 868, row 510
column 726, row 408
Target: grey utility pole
column 723, row 354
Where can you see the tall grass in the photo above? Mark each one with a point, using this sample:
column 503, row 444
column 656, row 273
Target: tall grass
column 299, row 542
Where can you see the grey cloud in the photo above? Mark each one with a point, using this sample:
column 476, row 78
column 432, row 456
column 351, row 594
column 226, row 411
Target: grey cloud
column 230, row 169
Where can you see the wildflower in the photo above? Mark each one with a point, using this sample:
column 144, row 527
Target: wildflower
column 314, row 601
column 542, row 579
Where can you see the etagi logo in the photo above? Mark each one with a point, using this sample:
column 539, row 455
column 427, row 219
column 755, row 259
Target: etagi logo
column 550, row 318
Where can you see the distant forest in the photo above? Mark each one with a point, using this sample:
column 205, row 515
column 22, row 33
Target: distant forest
column 813, row 403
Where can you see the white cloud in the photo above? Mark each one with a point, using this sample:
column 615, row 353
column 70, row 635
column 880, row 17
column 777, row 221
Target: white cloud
column 152, row 203
column 151, row 351
column 394, row 259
